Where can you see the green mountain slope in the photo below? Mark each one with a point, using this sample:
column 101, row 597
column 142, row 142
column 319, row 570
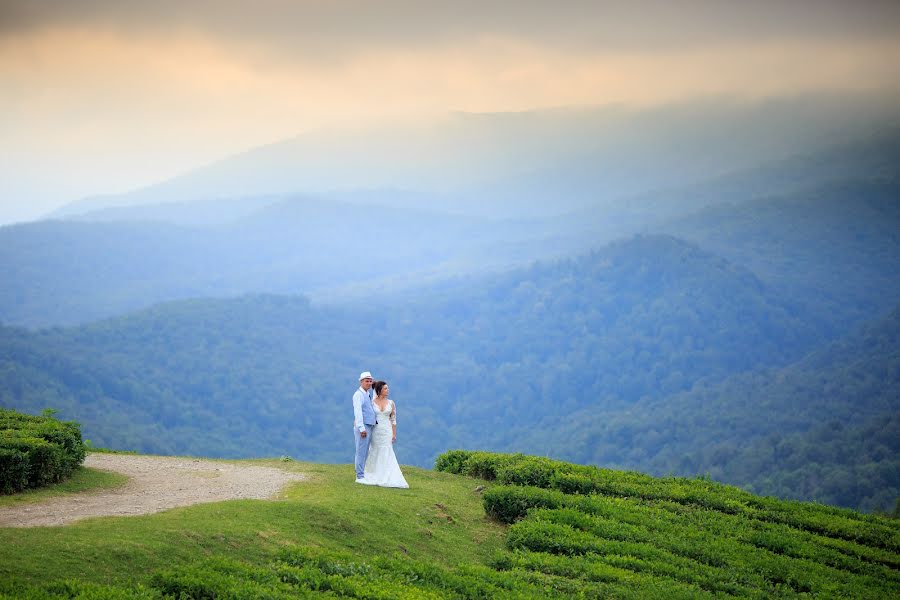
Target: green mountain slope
column 824, row 428
column 274, row 375
column 526, row 528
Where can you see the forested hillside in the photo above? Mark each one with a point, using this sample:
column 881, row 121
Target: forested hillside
column 655, row 312
column 496, row 364
column 825, row 428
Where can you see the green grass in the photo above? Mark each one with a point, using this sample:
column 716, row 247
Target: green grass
column 84, row 479
column 439, row 519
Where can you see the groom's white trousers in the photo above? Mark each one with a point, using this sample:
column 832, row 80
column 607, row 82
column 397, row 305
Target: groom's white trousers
column 362, row 450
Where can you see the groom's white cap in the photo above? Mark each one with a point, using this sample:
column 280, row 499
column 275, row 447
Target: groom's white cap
column 365, row 375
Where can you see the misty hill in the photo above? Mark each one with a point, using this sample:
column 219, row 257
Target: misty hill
column 267, row 375
column 836, row 243
column 67, row 272
column 533, row 163
column 64, row 272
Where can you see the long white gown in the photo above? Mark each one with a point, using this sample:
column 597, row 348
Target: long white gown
column 381, row 464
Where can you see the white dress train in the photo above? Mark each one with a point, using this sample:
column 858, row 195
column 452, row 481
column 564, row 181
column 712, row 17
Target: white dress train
column 381, row 464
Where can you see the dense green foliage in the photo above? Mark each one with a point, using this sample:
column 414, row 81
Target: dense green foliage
column 36, row 451
column 825, row 428
column 590, row 524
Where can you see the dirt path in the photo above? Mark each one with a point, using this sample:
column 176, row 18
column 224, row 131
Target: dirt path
column 156, row 483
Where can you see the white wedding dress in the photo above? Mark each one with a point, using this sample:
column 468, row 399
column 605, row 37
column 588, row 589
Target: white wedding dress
column 381, row 464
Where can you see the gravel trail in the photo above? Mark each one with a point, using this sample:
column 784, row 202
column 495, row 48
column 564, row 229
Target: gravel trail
column 156, row 483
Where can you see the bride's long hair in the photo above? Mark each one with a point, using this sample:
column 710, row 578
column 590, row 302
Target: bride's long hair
column 378, row 386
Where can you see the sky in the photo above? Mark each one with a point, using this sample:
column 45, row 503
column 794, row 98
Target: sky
column 101, row 97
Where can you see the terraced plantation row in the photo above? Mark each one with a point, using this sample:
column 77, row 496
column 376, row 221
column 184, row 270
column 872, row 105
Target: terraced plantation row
column 696, row 536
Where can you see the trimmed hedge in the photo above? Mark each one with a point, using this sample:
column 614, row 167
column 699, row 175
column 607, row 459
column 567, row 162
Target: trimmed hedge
column 37, row 451
column 700, row 537
column 584, row 480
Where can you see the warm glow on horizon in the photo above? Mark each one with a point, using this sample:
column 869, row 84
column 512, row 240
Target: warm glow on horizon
column 128, row 106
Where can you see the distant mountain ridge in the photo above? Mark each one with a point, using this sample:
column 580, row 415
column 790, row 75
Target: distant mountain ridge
column 835, row 242
column 68, row 272
column 534, row 163
column 65, row 272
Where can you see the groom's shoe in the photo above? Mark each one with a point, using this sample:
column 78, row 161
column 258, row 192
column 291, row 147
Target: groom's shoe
column 362, row 480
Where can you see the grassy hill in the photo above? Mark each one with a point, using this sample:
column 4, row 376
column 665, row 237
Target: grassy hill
column 488, row 526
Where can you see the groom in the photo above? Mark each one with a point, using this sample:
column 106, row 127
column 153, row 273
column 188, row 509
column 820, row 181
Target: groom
column 363, row 422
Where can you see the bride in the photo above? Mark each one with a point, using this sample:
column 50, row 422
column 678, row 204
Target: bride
column 381, row 464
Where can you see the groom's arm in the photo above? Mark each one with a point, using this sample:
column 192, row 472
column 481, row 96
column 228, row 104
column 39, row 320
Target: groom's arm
column 357, row 412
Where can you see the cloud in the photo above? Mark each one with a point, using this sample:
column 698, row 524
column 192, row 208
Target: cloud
column 119, row 94
column 335, row 27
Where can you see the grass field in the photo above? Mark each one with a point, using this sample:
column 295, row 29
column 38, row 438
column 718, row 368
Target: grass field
column 440, row 518
column 83, row 480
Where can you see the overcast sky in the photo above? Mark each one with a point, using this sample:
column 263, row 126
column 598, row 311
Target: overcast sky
column 103, row 97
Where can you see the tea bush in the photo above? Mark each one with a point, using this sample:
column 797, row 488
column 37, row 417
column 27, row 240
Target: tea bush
column 698, row 537
column 829, row 521
column 37, row 450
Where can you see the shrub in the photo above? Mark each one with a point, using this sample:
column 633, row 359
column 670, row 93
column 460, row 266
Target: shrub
column 452, row 461
column 13, row 470
column 486, row 465
column 221, row 579
column 572, row 483
column 36, row 451
column 511, row 503
column 527, row 470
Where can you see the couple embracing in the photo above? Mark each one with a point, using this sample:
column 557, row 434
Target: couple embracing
column 375, row 430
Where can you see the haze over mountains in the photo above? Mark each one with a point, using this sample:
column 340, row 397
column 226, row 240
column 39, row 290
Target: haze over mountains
column 711, row 288
column 531, row 163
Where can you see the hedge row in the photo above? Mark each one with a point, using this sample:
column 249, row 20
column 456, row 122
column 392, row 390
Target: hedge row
column 511, row 503
column 568, row 478
column 733, row 554
column 629, row 580
column 593, row 524
column 694, row 549
column 36, row 451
